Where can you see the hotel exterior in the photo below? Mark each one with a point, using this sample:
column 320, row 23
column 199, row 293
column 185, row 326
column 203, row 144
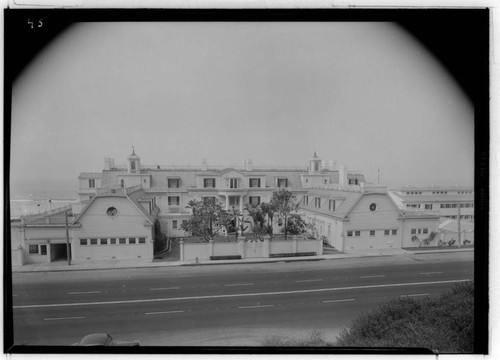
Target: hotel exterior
column 124, row 208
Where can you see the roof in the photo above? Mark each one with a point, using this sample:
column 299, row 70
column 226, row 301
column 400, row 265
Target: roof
column 89, row 175
column 451, row 225
column 132, row 196
column 434, row 188
column 434, row 198
column 349, row 200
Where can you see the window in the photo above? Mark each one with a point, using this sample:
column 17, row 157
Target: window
column 33, row 249
column 131, row 240
column 386, row 232
column 173, row 200
column 255, row 183
column 112, row 211
column 233, row 183
column 83, row 242
column 331, row 205
column 123, row 241
column 316, row 166
column 173, row 183
column 353, row 181
column 43, row 249
column 394, row 232
column 357, row 233
column 254, row 200
column 104, row 241
column 122, row 183
column 454, row 206
column 208, row 199
column 93, row 241
column 413, row 231
column 132, row 165
column 306, row 200
column 317, row 202
column 209, row 183
column 425, row 231
column 174, row 224
column 234, row 201
column 280, row 222
column 142, row 240
column 91, row 183
column 428, row 206
column 184, row 222
column 349, row 233
column 282, row 182
column 372, row 232
column 112, row 241
column 419, row 231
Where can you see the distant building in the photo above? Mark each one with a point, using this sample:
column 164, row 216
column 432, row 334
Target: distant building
column 447, row 202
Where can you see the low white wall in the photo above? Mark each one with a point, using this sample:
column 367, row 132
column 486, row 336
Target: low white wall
column 223, row 249
column 196, row 250
column 281, row 246
column 307, row 245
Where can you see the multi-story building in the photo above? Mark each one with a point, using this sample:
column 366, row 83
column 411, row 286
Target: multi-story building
column 449, row 202
column 174, row 186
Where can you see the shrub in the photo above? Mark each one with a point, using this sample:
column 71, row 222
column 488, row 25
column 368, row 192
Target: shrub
column 444, row 324
column 314, row 339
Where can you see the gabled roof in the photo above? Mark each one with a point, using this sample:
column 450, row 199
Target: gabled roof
column 132, row 197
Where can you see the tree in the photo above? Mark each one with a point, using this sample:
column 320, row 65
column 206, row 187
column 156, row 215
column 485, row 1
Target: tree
column 296, row 225
column 205, row 218
column 268, row 211
column 258, row 216
column 284, row 202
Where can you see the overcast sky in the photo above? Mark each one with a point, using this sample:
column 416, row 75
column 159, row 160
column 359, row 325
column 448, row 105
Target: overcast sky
column 362, row 94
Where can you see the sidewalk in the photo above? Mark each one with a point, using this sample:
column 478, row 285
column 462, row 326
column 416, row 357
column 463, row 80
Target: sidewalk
column 122, row 264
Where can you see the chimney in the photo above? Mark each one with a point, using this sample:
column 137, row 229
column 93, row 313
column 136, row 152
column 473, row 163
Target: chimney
column 249, row 165
column 204, row 165
column 343, row 177
column 331, row 165
column 108, row 163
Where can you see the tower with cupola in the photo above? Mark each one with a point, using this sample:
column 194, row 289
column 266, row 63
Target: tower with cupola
column 134, row 163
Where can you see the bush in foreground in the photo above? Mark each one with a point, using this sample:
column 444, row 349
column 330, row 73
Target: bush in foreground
column 314, row 339
column 444, row 324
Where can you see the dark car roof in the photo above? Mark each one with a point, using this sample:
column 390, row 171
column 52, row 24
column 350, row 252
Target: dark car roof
column 95, row 339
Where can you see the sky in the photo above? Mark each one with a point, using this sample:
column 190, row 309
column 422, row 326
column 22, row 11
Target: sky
column 362, row 94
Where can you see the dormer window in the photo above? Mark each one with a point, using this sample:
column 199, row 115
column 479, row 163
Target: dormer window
column 91, row 183
column 209, row 183
column 173, row 183
column 282, row 182
column 122, row 183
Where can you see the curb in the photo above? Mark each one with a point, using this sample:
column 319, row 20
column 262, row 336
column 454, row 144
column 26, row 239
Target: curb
column 241, row 262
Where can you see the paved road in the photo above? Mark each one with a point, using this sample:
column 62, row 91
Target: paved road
column 222, row 305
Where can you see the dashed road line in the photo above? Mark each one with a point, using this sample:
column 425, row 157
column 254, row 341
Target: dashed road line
column 204, row 297
column 340, row 300
column 167, row 288
column 430, row 273
column 254, row 306
column 411, row 295
column 311, row 280
column 65, row 318
column 249, row 284
column 371, row 276
column 165, row 312
column 83, row 292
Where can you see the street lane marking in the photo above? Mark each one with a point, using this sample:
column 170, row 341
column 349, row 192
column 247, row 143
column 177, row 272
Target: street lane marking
column 238, row 285
column 410, row 295
column 202, row 297
column 299, row 281
column 342, row 300
column 65, row 318
column 169, row 288
column 433, row 272
column 14, row 295
column 83, row 292
column 371, row 276
column 254, row 306
column 165, row 312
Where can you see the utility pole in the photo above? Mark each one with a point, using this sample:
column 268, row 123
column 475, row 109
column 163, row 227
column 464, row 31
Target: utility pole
column 68, row 248
column 459, row 230
column 378, row 176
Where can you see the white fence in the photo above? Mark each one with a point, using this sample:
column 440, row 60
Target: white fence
column 250, row 249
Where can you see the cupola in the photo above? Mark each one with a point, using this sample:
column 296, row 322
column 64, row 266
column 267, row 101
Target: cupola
column 134, row 163
column 314, row 164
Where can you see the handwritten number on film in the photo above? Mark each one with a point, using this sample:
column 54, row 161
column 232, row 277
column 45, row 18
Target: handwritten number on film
column 34, row 23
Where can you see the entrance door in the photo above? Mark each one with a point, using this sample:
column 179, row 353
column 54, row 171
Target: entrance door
column 58, row 252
